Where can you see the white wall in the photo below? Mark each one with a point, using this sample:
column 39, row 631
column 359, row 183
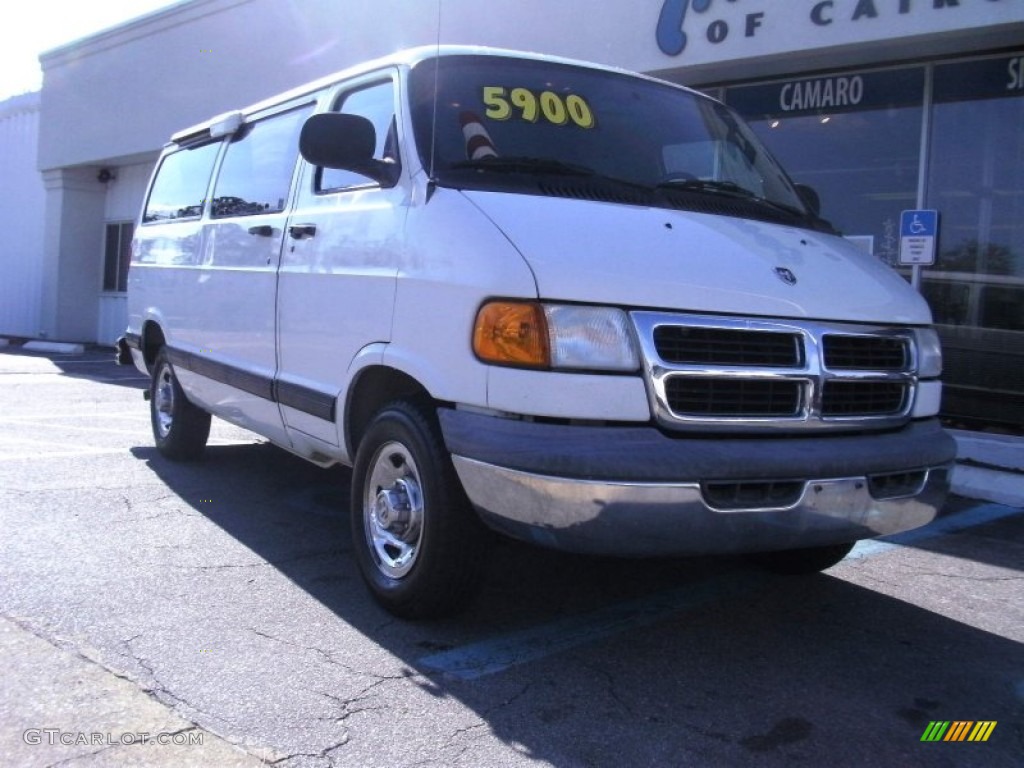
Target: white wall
column 126, row 190
column 126, row 90
column 21, row 217
column 72, row 253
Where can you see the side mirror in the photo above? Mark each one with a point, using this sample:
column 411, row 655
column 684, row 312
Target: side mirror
column 809, row 196
column 345, row 142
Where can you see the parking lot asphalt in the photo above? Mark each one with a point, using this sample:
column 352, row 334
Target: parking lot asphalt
column 215, row 608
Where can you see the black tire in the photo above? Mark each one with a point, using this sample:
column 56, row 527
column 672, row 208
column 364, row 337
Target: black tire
column 180, row 429
column 418, row 543
column 796, row 562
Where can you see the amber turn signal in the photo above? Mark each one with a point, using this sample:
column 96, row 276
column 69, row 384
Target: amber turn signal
column 512, row 333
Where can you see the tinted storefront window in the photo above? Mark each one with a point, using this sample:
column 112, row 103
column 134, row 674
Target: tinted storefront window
column 855, row 138
column 976, row 181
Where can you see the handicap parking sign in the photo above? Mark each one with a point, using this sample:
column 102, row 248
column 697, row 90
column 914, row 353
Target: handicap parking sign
column 918, row 234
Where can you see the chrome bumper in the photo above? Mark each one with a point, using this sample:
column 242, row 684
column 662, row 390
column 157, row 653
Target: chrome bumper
column 636, row 491
column 653, row 519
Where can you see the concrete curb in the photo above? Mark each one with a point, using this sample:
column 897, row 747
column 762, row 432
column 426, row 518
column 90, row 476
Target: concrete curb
column 1001, row 451
column 988, row 485
column 989, row 467
column 54, row 346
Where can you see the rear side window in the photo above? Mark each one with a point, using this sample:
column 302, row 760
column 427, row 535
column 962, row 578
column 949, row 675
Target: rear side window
column 256, row 174
column 179, row 189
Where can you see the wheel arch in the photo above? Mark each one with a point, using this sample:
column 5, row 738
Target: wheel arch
column 374, row 387
column 153, row 340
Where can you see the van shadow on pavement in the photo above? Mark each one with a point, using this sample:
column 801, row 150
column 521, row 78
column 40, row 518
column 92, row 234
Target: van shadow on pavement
column 783, row 668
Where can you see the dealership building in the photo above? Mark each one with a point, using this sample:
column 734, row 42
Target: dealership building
column 882, row 106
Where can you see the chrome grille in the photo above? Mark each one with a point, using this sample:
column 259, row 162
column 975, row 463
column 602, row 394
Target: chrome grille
column 714, row 373
column 863, row 398
column 733, row 397
column 866, row 353
column 721, row 346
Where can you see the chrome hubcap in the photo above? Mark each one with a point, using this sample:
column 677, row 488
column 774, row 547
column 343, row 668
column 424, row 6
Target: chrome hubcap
column 163, row 401
column 393, row 510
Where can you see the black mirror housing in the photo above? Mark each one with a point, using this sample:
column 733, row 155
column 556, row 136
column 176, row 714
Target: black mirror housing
column 345, row 142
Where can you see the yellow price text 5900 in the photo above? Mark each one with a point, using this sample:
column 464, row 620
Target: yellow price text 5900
column 503, row 104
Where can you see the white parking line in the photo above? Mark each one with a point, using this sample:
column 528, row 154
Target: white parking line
column 94, row 430
column 81, row 414
column 9, row 440
column 63, row 454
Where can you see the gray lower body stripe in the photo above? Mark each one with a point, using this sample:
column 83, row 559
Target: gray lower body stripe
column 321, row 405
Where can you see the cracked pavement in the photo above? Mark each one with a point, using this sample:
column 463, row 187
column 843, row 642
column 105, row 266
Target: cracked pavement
column 219, row 599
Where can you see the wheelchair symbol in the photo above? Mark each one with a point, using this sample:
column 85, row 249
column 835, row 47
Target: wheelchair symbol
column 917, row 226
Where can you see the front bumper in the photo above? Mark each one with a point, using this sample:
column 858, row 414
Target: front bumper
column 635, row 491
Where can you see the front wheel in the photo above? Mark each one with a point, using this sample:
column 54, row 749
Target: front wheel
column 418, row 543
column 794, row 562
column 180, row 429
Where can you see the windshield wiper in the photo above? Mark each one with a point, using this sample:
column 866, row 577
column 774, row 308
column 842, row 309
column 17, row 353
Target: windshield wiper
column 732, row 189
column 728, row 188
column 522, row 164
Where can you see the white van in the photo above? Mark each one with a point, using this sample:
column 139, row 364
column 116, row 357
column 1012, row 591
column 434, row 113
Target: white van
column 582, row 306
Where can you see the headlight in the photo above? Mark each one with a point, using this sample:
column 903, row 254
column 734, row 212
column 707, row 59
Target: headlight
column 590, row 338
column 533, row 335
column 929, row 354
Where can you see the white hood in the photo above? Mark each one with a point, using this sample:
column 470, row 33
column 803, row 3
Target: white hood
column 632, row 256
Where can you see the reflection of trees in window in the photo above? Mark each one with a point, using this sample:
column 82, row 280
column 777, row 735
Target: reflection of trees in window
column 971, row 256
column 976, row 284
column 180, row 186
column 236, row 206
column 184, row 212
column 257, row 169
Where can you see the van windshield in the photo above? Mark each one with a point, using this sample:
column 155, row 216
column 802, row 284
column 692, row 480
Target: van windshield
column 520, row 124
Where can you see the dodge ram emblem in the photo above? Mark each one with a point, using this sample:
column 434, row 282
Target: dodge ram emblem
column 785, row 275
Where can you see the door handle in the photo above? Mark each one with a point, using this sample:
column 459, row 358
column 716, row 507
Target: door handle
column 299, row 231
column 263, row 230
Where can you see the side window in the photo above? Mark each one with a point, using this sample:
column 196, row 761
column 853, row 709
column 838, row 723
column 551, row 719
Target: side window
column 179, row 189
column 377, row 104
column 256, row 173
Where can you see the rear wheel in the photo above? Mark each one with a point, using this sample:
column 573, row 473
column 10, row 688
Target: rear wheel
column 418, row 543
column 793, row 562
column 180, row 429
